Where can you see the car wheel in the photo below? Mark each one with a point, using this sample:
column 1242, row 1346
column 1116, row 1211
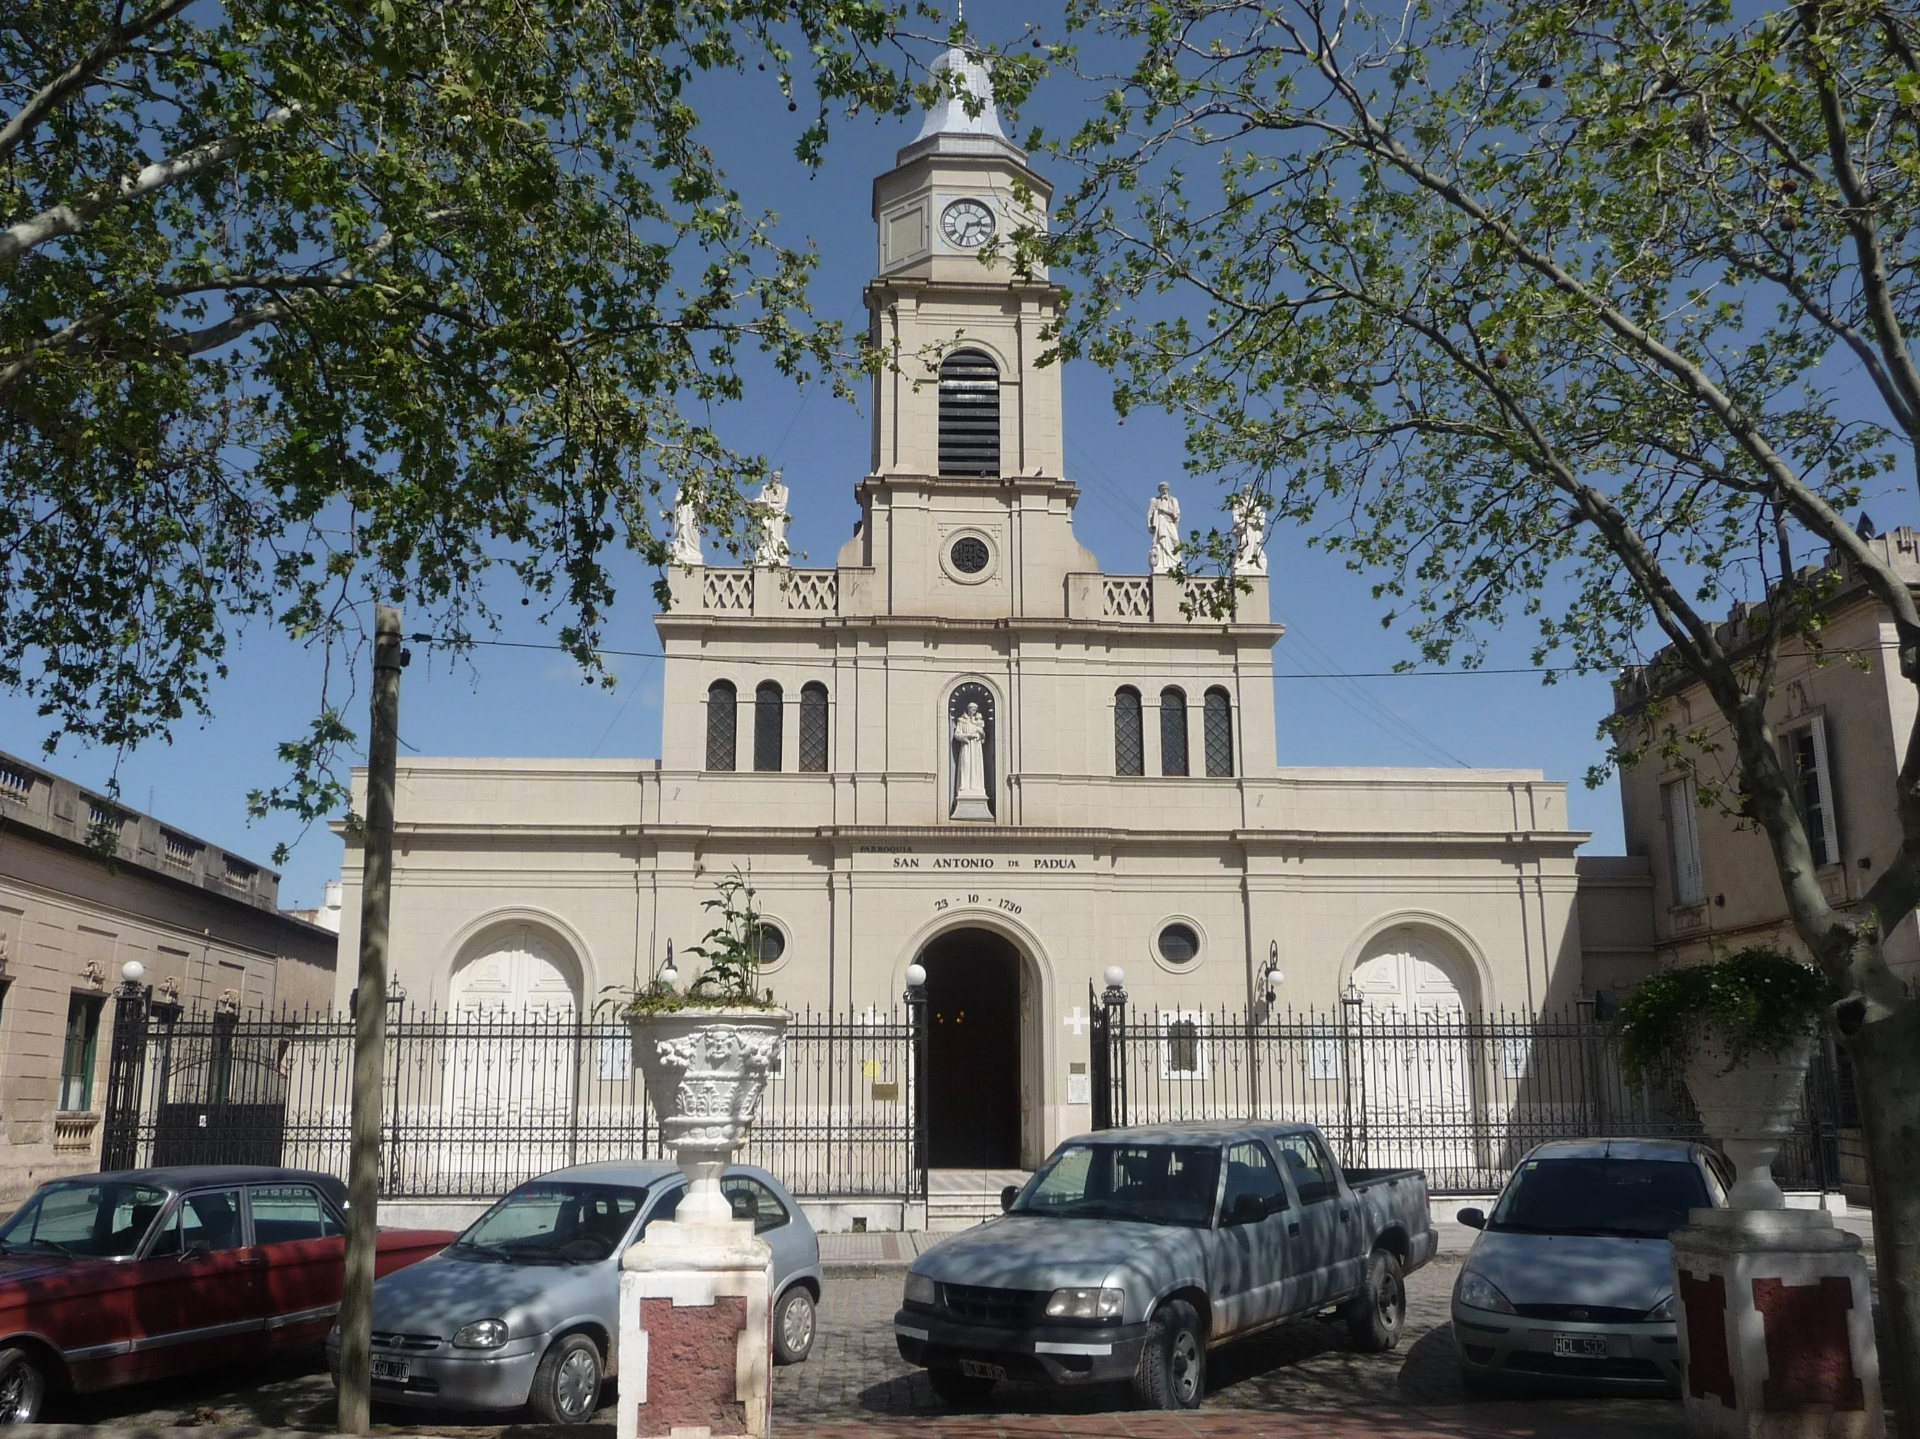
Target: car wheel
column 23, row 1387
column 793, row 1326
column 953, row 1387
column 1376, row 1317
column 566, row 1386
column 1173, row 1364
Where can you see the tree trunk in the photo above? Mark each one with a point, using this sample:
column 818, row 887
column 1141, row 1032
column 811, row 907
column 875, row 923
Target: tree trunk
column 1886, row 1067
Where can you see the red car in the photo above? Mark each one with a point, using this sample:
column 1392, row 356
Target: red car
column 110, row 1279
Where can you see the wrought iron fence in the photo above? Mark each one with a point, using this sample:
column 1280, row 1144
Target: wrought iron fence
column 1462, row 1097
column 473, row 1106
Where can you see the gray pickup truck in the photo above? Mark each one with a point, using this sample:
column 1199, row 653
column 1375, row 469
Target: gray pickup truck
column 1131, row 1252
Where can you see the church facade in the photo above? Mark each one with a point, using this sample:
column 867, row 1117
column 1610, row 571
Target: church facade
column 967, row 746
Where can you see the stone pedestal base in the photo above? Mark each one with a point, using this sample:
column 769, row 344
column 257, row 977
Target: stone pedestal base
column 696, row 1343
column 1776, row 1331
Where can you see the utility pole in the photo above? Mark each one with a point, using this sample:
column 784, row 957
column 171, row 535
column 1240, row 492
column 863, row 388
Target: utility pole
column 370, row 1032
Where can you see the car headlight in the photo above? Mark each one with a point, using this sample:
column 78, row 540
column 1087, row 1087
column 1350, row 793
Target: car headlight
column 1476, row 1291
column 919, row 1290
column 1086, row 1304
column 1661, row 1312
column 482, row 1334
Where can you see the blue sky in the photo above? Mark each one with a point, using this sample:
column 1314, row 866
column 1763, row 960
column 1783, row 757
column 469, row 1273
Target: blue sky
column 532, row 702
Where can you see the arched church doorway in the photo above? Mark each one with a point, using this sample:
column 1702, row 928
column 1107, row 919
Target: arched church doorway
column 1416, row 1090
column 973, row 1051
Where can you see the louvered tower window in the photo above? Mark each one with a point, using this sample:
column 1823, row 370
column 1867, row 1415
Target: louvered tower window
column 767, row 715
column 1217, row 722
column 1129, row 750
column 1173, row 732
column 722, row 701
column 969, row 415
column 813, row 728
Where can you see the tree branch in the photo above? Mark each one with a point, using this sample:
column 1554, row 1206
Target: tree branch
column 28, row 117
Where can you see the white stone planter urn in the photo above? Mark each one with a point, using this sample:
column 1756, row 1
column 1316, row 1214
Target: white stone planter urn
column 705, row 1071
column 1750, row 1109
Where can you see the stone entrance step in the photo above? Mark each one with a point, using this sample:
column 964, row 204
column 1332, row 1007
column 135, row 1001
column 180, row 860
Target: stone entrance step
column 962, row 1198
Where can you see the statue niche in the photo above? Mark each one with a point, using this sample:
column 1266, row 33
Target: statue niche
column 970, row 735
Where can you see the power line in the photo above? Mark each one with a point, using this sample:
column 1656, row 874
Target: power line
column 421, row 639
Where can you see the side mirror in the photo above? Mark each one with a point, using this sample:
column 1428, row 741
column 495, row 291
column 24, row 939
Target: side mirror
column 1007, row 1196
column 1472, row 1218
column 1247, row 1209
column 194, row 1251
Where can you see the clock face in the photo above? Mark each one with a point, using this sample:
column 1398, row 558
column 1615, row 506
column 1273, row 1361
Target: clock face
column 967, row 223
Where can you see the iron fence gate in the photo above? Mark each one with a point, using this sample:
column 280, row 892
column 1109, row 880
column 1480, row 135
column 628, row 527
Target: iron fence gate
column 1459, row 1096
column 473, row 1106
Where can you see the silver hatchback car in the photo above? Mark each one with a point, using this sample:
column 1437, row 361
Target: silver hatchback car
column 1571, row 1277
column 523, row 1308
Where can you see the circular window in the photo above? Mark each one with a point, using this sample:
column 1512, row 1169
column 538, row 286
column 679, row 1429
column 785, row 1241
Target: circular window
column 773, row 944
column 1179, row 944
column 969, row 554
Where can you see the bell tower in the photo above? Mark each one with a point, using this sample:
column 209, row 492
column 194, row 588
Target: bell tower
column 967, row 508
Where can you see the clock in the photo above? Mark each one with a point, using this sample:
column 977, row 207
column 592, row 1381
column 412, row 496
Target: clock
column 967, row 223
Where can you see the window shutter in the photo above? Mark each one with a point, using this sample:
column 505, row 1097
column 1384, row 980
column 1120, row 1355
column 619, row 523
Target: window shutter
column 1683, row 827
column 1828, row 831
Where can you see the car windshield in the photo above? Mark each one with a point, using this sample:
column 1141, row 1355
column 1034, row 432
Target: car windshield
column 554, row 1222
column 1644, row 1198
column 88, row 1220
column 1151, row 1183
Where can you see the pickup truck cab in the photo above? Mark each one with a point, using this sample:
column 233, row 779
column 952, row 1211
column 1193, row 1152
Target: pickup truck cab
column 1131, row 1252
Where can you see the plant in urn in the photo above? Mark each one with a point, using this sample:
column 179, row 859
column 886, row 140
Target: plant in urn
column 1741, row 1031
column 706, row 1054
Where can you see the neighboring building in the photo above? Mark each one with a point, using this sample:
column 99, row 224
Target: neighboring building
column 967, row 746
column 1842, row 722
column 327, row 915
column 201, row 920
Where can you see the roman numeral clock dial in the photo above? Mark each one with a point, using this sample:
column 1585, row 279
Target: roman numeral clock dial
column 967, row 224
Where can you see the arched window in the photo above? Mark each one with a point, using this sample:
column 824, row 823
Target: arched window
column 1217, row 724
column 813, row 728
column 1173, row 731
column 767, row 715
column 969, row 414
column 1129, row 748
column 722, row 703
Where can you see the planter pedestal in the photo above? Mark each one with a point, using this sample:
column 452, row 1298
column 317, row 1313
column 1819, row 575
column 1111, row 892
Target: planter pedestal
column 696, row 1343
column 696, row 1295
column 1776, row 1328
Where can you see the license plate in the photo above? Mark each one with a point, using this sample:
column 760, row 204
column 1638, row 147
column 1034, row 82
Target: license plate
column 394, row 1371
column 980, row 1369
column 1579, row 1346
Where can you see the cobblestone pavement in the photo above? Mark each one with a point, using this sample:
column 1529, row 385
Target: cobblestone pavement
column 855, row 1384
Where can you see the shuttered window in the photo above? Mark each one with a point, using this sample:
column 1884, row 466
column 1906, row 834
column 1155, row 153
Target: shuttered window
column 813, row 728
column 1809, row 764
column 1129, row 747
column 722, row 720
column 767, row 716
column 1683, row 831
column 1173, row 732
column 969, row 415
column 1217, row 723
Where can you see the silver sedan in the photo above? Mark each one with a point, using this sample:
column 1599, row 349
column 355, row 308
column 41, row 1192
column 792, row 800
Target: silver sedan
column 1571, row 1277
column 523, row 1308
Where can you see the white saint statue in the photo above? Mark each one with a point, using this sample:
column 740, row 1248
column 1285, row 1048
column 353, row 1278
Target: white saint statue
column 684, row 547
column 769, row 510
column 970, row 766
column 1163, row 529
column 1249, row 532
